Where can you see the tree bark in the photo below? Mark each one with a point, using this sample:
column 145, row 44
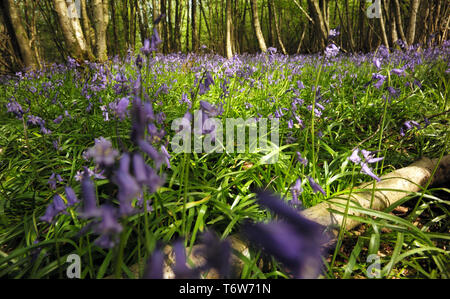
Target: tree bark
column 17, row 32
column 72, row 32
column 398, row 21
column 319, row 22
column 383, row 28
column 194, row 25
column 257, row 27
column 229, row 46
column 412, row 22
column 87, row 27
column 277, row 28
column 100, row 30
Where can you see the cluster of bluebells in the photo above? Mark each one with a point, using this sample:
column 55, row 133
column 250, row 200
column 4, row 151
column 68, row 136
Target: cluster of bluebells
column 58, row 206
column 367, row 158
column 216, row 254
column 332, row 50
column 293, row 240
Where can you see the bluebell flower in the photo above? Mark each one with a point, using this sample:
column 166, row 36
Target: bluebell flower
column 331, row 50
column 109, row 224
column 302, row 160
column 294, row 241
column 216, row 252
column 90, row 209
column 128, row 187
column 316, row 187
column 296, row 190
column 155, row 264
column 53, row 180
column 181, row 270
column 15, row 108
column 102, row 152
column 53, row 209
column 71, row 196
column 369, row 157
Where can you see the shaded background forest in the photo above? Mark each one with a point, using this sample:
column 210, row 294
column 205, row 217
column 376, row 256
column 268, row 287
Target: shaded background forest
column 36, row 31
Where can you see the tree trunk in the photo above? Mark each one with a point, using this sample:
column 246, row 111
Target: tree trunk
column 229, row 46
column 187, row 26
column 86, row 23
column 257, row 26
column 277, row 28
column 17, row 32
column 72, row 32
column 164, row 33
column 194, row 25
column 178, row 17
column 412, row 22
column 398, row 21
column 100, row 30
column 383, row 28
column 319, row 22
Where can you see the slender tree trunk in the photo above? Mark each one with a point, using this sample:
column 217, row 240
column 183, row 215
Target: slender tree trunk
column 187, row 26
column 391, row 22
column 383, row 28
column 319, row 22
column 165, row 33
column 100, row 30
column 206, row 21
column 398, row 21
column 277, row 28
column 412, row 21
column 114, row 25
column 87, row 28
column 229, row 46
column 178, row 18
column 257, row 27
column 194, row 25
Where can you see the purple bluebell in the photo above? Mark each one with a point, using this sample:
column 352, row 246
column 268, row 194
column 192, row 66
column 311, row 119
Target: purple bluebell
column 398, row 72
column 15, row 108
column 380, row 80
column 53, row 180
column 155, row 264
column 302, row 160
column 204, row 86
column 331, row 50
column 369, row 157
column 90, row 209
column 333, row 33
column 102, row 152
column 296, row 190
column 181, row 270
column 53, row 209
column 58, row 119
column 216, row 252
column 109, row 224
column 294, row 241
column 128, row 187
column 71, row 196
column 316, row 187
column 122, row 108
column 377, row 62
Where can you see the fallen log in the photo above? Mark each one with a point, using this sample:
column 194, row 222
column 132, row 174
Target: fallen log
column 379, row 196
